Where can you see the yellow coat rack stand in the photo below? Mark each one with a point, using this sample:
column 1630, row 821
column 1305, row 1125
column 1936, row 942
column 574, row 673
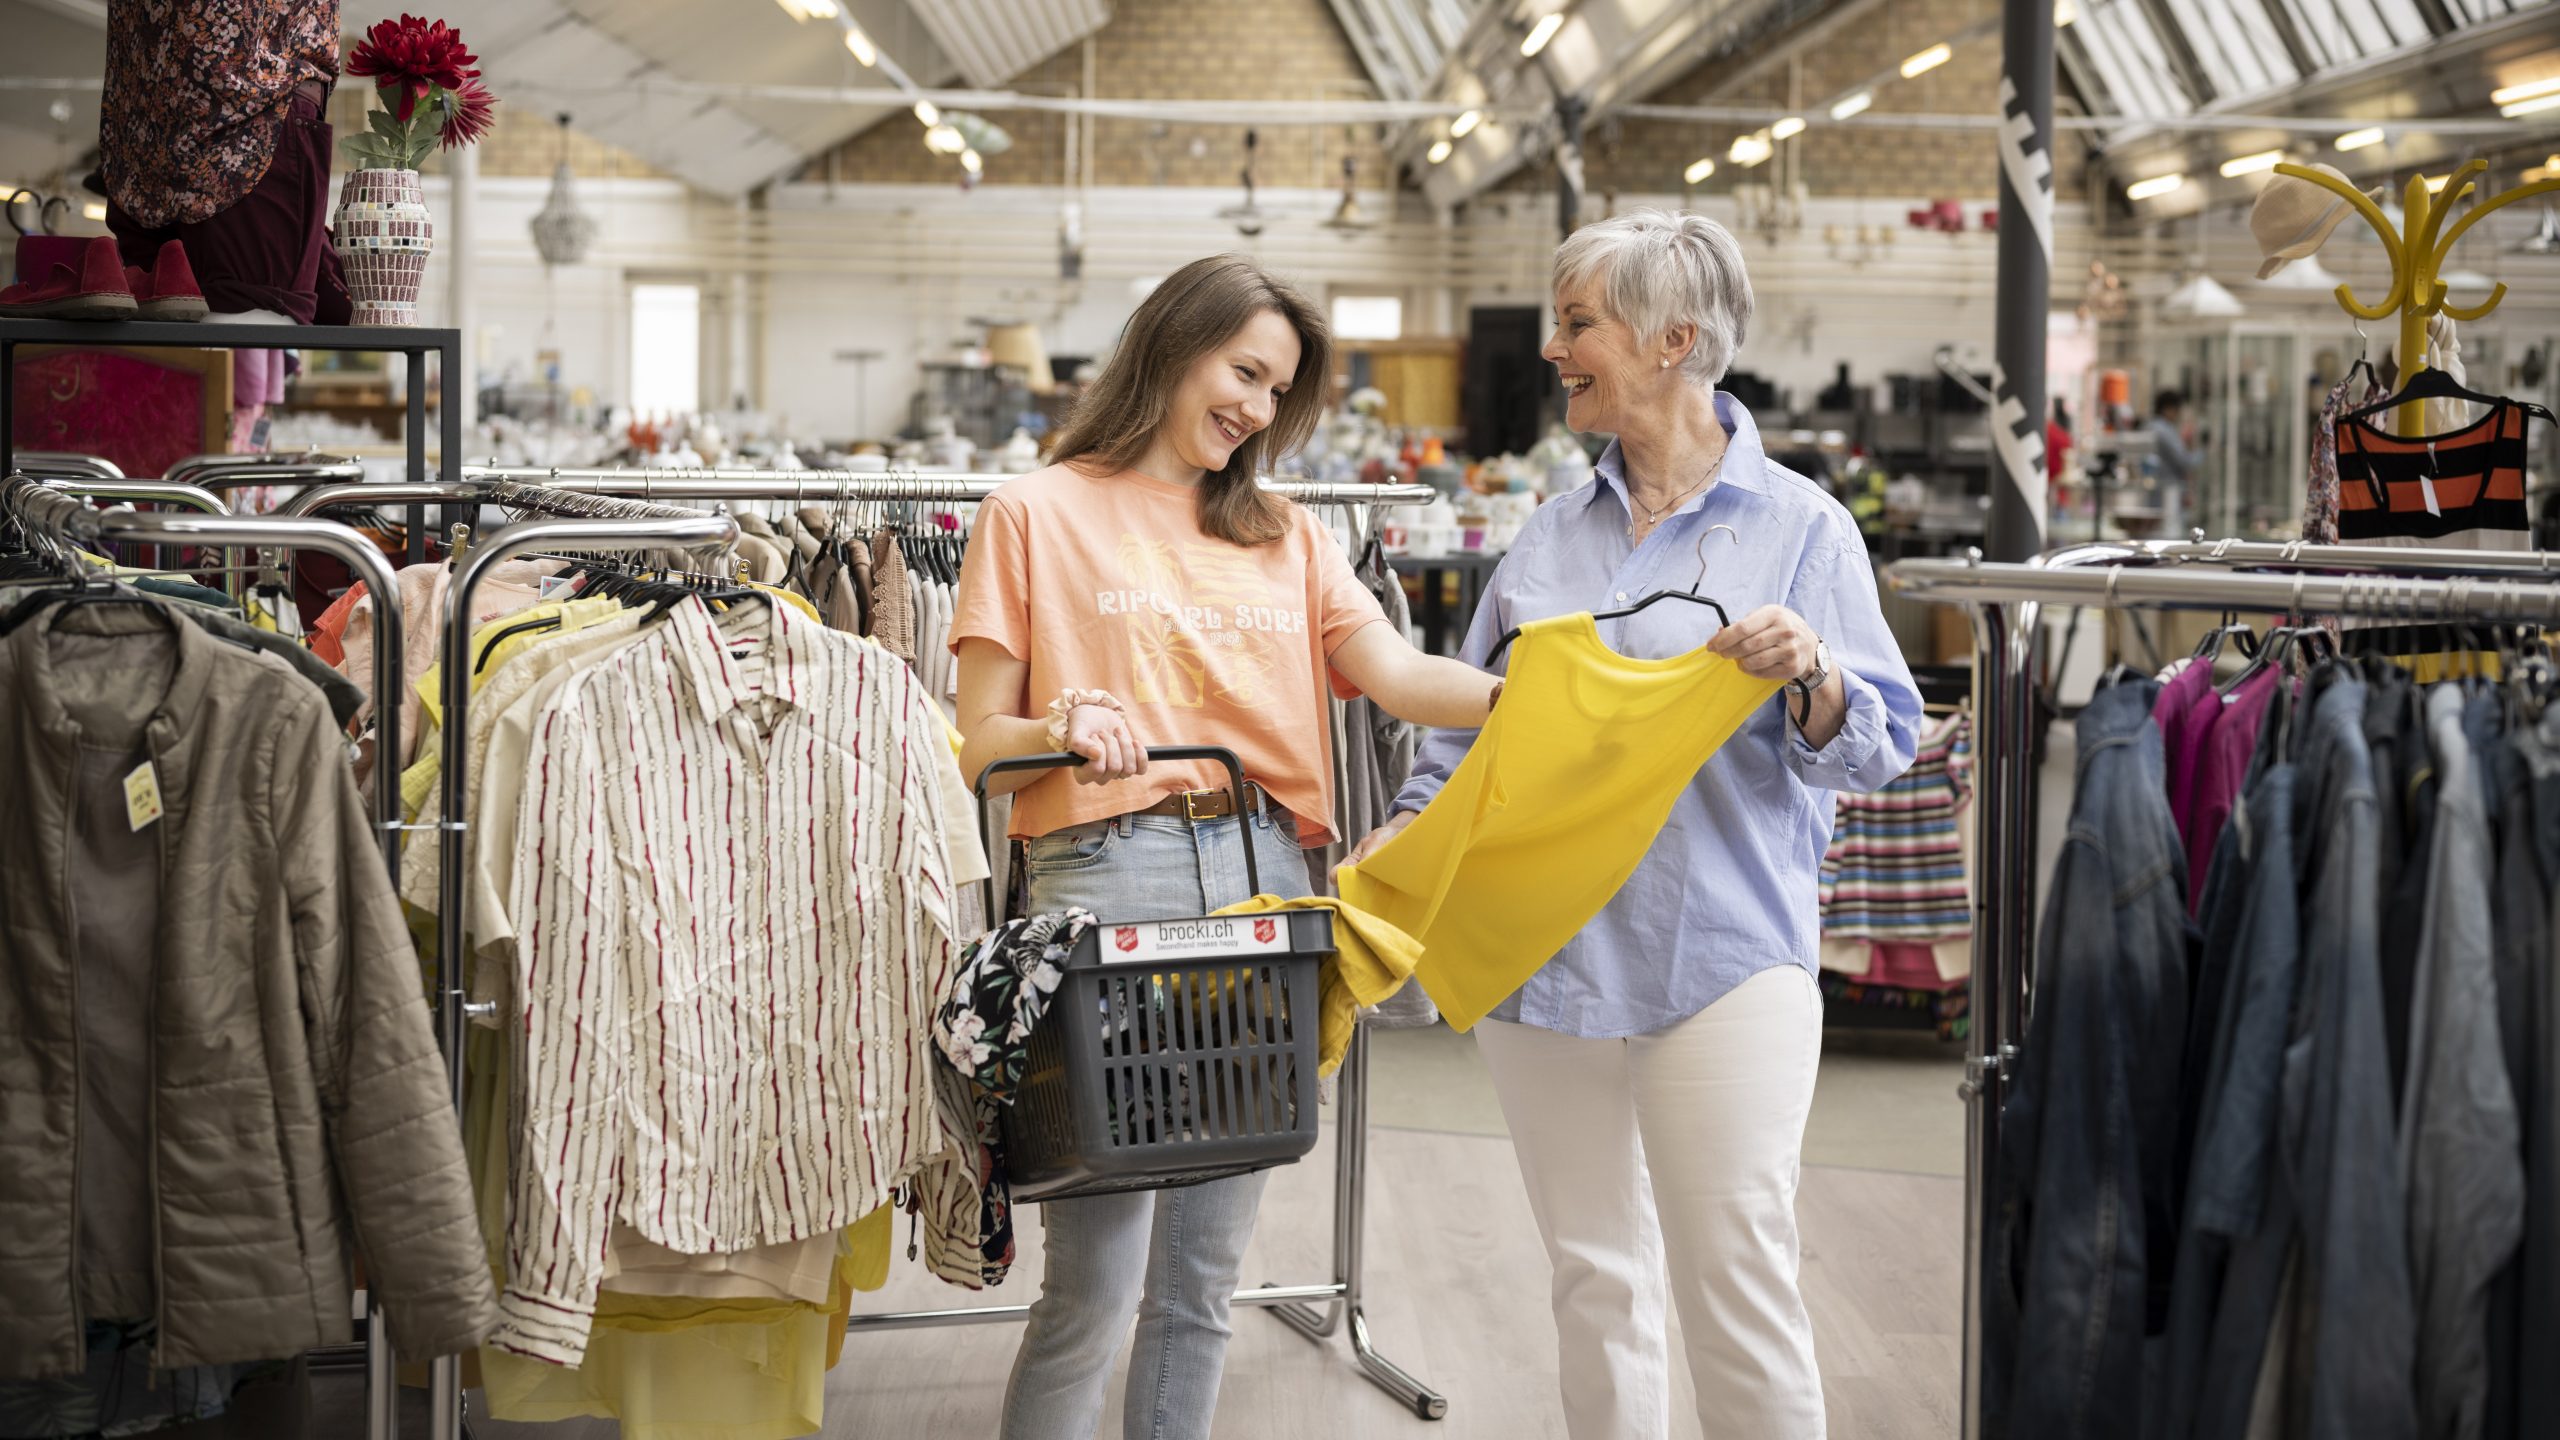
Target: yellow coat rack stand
column 2417, row 254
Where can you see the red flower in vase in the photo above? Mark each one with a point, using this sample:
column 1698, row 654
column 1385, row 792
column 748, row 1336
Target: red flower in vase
column 470, row 112
column 413, row 56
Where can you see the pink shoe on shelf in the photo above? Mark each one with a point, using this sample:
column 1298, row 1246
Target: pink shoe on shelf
column 94, row 289
column 38, row 254
column 169, row 292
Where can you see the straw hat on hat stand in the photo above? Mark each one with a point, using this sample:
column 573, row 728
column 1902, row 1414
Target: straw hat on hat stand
column 2294, row 217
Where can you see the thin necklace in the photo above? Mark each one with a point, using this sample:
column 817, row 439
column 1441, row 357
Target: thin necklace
column 1654, row 517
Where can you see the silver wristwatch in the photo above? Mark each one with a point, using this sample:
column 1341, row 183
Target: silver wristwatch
column 1815, row 678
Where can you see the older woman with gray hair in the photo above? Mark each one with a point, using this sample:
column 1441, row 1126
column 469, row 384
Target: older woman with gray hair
column 1657, row 1071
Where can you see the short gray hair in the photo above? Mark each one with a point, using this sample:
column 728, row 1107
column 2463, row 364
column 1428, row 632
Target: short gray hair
column 1658, row 269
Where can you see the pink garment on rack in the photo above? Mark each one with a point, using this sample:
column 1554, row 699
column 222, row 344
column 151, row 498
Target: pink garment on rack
column 2220, row 771
column 2185, row 713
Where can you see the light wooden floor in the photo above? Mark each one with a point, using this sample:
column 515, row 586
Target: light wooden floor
column 1457, row 1282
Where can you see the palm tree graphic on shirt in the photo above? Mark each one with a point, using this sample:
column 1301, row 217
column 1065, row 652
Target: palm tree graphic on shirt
column 1178, row 662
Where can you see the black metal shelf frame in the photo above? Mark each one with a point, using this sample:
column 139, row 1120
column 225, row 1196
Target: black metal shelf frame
column 414, row 343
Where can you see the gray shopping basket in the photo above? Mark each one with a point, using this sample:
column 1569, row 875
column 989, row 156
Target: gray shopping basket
column 1176, row 1050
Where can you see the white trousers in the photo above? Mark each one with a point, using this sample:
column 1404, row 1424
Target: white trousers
column 1668, row 1162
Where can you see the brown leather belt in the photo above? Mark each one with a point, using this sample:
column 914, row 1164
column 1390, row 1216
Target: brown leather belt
column 1215, row 804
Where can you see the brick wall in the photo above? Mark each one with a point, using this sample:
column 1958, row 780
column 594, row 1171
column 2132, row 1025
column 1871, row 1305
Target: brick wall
column 1649, row 155
column 1161, row 49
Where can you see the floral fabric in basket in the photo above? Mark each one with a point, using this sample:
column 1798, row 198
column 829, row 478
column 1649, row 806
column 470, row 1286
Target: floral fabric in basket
column 983, row 1031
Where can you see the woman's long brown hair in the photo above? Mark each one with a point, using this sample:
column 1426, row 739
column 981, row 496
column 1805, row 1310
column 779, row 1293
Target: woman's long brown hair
column 1195, row 310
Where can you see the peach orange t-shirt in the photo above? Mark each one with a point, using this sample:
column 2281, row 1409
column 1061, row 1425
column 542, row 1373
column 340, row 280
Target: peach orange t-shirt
column 1110, row 584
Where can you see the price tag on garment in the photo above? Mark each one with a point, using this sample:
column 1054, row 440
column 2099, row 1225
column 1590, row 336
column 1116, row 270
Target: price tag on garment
column 2427, row 482
column 142, row 796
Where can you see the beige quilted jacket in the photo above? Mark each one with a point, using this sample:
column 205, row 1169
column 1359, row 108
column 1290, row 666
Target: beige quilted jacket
column 216, row 1068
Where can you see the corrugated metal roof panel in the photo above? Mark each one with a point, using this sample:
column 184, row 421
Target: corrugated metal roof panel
column 992, row 41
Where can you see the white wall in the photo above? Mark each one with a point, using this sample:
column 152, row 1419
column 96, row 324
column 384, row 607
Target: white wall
column 905, row 270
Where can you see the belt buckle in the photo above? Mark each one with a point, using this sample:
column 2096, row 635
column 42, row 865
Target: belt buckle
column 1191, row 805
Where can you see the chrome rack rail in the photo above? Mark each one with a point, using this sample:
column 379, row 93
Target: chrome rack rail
column 2006, row 601
column 64, row 464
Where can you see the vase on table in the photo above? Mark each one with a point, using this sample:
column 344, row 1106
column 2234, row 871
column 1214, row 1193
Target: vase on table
column 384, row 238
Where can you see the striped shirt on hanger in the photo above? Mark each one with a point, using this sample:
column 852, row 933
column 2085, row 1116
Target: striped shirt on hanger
column 734, row 912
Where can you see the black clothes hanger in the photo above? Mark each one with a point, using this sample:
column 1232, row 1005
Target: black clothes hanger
column 1722, row 619
column 1690, row 595
column 77, row 590
column 2209, row 649
column 2434, row 384
column 521, row 627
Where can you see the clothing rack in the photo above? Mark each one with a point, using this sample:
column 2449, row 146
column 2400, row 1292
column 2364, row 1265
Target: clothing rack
column 1297, row 1306
column 808, row 486
column 194, row 497
column 240, row 472
column 45, row 464
column 45, row 507
column 2006, row 602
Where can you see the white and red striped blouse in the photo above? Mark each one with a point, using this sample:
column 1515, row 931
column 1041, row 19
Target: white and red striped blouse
column 733, row 894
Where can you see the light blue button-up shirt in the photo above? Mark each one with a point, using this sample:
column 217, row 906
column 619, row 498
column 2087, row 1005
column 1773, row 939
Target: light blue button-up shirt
column 1730, row 886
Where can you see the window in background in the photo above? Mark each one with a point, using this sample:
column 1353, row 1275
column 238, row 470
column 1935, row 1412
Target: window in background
column 1368, row 317
column 666, row 349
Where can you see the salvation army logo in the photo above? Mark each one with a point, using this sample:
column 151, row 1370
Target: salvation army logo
column 1263, row 930
column 1126, row 937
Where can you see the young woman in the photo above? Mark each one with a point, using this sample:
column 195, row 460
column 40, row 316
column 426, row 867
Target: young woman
column 1144, row 590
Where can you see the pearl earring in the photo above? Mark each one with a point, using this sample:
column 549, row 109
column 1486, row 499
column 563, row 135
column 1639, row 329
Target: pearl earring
column 1666, row 364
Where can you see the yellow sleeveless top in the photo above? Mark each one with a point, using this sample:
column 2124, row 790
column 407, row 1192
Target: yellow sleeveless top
column 1557, row 801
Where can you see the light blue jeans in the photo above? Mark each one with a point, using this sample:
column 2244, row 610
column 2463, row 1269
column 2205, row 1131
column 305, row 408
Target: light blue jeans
column 1171, row 1256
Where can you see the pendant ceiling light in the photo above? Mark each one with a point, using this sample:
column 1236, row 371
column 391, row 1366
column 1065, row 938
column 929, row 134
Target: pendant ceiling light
column 561, row 230
column 2203, row 298
column 1247, row 217
column 2306, row 273
column 2544, row 240
column 1347, row 218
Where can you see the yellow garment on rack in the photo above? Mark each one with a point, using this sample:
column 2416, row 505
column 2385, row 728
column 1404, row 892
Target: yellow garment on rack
column 514, row 634
column 669, row 1367
column 795, row 599
column 1372, row 959
column 1554, row 806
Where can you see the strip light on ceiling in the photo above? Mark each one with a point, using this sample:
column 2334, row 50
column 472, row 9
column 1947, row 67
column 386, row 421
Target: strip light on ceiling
column 2436, row 183
column 805, row 11
column 2358, row 139
column 927, row 114
column 1539, row 35
column 970, row 162
column 861, row 46
column 1927, row 60
column 2534, row 106
column 2064, row 12
column 2530, row 90
column 1788, row 128
column 1465, row 124
column 1698, row 170
column 2153, row 188
column 2239, row 165
column 1853, row 105
column 1439, row 151
column 1749, row 150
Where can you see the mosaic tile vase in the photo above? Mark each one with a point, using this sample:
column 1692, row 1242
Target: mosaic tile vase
column 384, row 238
